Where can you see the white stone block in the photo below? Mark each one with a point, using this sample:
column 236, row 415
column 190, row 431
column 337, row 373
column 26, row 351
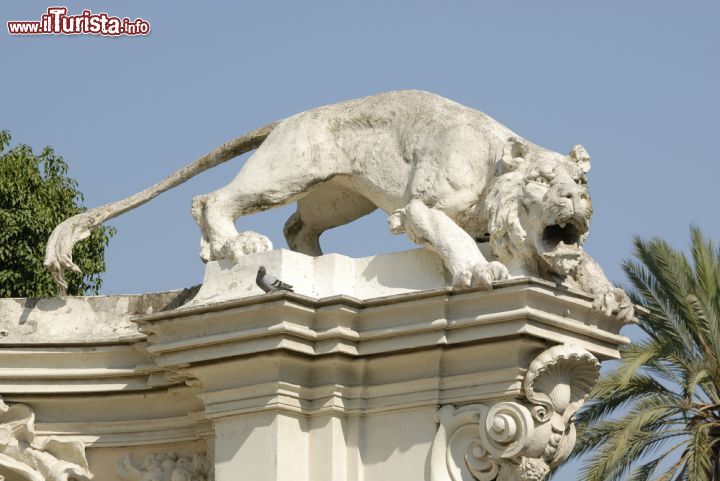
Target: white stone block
column 324, row 276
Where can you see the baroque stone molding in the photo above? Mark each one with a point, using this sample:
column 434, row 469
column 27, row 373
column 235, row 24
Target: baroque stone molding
column 23, row 457
column 517, row 441
column 164, row 467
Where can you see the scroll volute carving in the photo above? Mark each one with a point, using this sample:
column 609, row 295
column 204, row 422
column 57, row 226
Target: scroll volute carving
column 517, row 441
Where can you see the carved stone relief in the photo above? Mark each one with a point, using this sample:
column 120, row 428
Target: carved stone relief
column 517, row 441
column 165, row 467
column 25, row 457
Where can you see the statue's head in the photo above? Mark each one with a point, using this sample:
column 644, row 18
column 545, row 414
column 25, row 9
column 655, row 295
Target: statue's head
column 539, row 206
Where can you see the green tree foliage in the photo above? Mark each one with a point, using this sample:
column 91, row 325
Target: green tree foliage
column 35, row 196
column 657, row 415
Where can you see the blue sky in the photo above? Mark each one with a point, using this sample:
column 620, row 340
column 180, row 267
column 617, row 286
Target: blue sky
column 634, row 82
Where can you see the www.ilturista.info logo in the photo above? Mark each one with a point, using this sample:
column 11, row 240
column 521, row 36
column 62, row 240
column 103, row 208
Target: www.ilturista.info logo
column 56, row 21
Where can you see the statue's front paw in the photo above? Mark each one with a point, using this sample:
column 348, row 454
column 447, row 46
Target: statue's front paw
column 614, row 302
column 498, row 270
column 245, row 243
column 481, row 275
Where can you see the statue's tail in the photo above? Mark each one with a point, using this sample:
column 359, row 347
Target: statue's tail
column 58, row 252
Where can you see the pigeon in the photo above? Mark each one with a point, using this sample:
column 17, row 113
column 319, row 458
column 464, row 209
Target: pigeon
column 268, row 283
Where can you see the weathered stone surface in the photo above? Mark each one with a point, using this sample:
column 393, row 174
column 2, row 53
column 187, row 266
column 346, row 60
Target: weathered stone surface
column 81, row 319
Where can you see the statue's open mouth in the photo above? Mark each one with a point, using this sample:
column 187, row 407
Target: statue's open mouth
column 565, row 234
column 561, row 245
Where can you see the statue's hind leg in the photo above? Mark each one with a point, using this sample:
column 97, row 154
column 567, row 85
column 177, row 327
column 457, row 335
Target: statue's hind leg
column 330, row 206
column 256, row 188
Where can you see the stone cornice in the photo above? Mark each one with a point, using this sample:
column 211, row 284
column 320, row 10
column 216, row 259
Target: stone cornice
column 360, row 400
column 160, row 416
column 71, row 369
column 581, row 298
column 347, row 326
column 169, row 430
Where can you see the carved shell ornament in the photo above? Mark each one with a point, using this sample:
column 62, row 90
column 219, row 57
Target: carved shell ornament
column 560, row 380
column 517, row 441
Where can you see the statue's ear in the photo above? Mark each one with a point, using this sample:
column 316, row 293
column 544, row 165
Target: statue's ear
column 579, row 155
column 513, row 155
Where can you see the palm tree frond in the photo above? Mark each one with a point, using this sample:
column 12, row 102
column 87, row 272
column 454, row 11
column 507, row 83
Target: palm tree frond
column 666, row 389
column 644, row 472
column 698, row 455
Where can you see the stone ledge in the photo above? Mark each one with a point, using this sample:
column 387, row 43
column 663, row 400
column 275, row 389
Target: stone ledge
column 353, row 327
column 82, row 320
column 324, row 276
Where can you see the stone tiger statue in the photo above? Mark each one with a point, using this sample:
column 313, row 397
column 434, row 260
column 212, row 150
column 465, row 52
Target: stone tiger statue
column 447, row 175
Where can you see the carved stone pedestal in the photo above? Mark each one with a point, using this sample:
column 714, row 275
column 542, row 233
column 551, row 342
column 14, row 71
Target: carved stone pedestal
column 373, row 370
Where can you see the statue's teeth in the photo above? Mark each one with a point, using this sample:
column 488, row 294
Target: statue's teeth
column 562, row 226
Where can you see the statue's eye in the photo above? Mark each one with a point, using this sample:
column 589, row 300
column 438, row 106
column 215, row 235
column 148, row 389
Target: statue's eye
column 540, row 179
